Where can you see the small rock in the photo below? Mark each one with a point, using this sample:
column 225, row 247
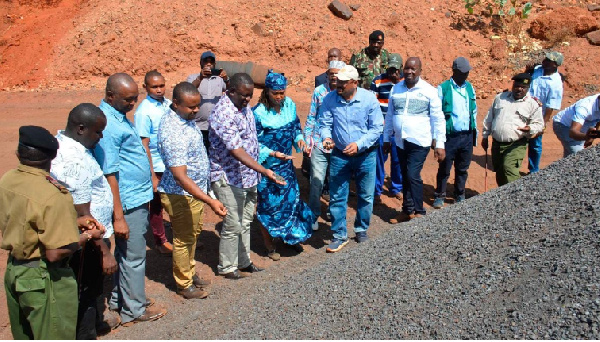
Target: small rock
column 259, row 29
column 593, row 7
column 340, row 10
column 354, row 7
column 594, row 37
column 448, row 14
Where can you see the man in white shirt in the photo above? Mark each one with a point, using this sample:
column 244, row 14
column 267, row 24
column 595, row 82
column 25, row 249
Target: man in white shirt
column 416, row 120
column 576, row 125
column 76, row 167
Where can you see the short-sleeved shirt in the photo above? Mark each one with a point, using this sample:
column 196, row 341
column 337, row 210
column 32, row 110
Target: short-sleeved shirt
column 147, row 118
column 547, row 89
column 121, row 152
column 180, row 143
column 312, row 129
column 76, row 167
column 584, row 111
column 211, row 89
column 230, row 129
column 35, row 215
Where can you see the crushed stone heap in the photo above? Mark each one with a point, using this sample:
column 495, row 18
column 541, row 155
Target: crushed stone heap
column 521, row 261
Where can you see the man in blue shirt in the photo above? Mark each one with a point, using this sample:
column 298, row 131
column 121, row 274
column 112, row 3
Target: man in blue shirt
column 547, row 88
column 125, row 164
column 351, row 122
column 459, row 107
column 382, row 87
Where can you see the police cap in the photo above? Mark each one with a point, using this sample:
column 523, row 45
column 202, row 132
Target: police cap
column 38, row 137
column 523, row 78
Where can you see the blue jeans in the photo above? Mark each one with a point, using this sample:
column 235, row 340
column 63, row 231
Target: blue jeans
column 395, row 171
column 319, row 161
column 412, row 158
column 342, row 168
column 569, row 144
column 535, row 153
column 129, row 292
column 459, row 151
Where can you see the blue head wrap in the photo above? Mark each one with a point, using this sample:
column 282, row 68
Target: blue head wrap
column 275, row 81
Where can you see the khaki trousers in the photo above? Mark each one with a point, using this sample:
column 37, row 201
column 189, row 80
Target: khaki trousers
column 186, row 223
column 507, row 159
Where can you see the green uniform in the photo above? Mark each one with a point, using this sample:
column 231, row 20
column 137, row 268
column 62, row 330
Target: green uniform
column 37, row 214
column 368, row 68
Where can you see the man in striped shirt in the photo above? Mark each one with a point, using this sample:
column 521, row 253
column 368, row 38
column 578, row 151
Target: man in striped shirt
column 382, row 86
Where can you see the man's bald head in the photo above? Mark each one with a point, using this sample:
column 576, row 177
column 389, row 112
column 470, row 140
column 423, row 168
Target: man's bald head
column 121, row 92
column 85, row 124
column 334, row 54
column 415, row 60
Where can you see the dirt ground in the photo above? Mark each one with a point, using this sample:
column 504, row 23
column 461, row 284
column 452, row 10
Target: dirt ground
column 50, row 109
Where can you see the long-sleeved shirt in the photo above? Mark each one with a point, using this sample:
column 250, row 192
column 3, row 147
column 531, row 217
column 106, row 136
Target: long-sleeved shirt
column 415, row 115
column 358, row 120
column 508, row 114
column 312, row 129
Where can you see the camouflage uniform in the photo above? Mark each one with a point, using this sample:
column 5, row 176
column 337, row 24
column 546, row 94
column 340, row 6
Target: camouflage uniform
column 369, row 68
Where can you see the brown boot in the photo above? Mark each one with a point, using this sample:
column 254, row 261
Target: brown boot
column 403, row 217
column 192, row 292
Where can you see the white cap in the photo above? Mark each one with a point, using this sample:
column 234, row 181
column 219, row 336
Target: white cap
column 336, row 64
column 348, row 72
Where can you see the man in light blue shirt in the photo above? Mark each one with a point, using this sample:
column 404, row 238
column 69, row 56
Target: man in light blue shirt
column 547, row 88
column 460, row 110
column 577, row 125
column 147, row 119
column 125, row 164
column 351, row 123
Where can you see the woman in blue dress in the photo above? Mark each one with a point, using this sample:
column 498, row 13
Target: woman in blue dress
column 280, row 210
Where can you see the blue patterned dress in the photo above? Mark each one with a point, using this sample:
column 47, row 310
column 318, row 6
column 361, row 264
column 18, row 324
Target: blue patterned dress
column 280, row 209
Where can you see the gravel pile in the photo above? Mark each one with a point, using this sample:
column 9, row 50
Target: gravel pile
column 521, row 261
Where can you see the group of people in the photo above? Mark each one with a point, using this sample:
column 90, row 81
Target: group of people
column 105, row 175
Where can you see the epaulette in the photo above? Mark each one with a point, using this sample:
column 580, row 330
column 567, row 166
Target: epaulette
column 57, row 184
column 537, row 100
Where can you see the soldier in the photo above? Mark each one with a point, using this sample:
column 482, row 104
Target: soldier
column 371, row 61
column 40, row 230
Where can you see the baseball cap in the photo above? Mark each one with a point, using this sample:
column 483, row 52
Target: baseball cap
column 555, row 56
column 395, row 61
column 207, row 54
column 461, row 64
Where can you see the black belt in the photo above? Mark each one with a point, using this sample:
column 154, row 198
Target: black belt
column 455, row 134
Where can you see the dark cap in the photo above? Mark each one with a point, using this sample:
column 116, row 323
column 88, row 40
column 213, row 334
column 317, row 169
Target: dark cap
column 207, row 54
column 523, row 78
column 376, row 35
column 38, row 137
column 461, row 64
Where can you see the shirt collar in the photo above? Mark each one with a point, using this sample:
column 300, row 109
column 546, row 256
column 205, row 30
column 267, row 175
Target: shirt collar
column 155, row 102
column 179, row 119
column 456, row 85
column 32, row 170
column 65, row 140
column 108, row 109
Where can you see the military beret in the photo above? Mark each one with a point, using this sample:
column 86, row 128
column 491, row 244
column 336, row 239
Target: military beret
column 523, row 78
column 38, row 137
column 376, row 35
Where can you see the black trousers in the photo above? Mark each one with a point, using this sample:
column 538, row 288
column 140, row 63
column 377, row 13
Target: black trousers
column 459, row 152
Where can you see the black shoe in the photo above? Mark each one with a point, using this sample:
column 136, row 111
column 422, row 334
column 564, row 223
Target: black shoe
column 200, row 282
column 235, row 275
column 297, row 247
column 251, row 269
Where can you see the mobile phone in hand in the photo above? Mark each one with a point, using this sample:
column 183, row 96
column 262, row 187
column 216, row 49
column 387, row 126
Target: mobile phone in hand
column 215, row 71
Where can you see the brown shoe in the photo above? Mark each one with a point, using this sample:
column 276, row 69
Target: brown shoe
column 110, row 320
column 149, row 302
column 234, row 275
column 192, row 292
column 166, row 248
column 151, row 314
column 201, row 283
column 403, row 217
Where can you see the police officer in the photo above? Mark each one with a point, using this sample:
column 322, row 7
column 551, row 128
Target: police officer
column 513, row 118
column 39, row 228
